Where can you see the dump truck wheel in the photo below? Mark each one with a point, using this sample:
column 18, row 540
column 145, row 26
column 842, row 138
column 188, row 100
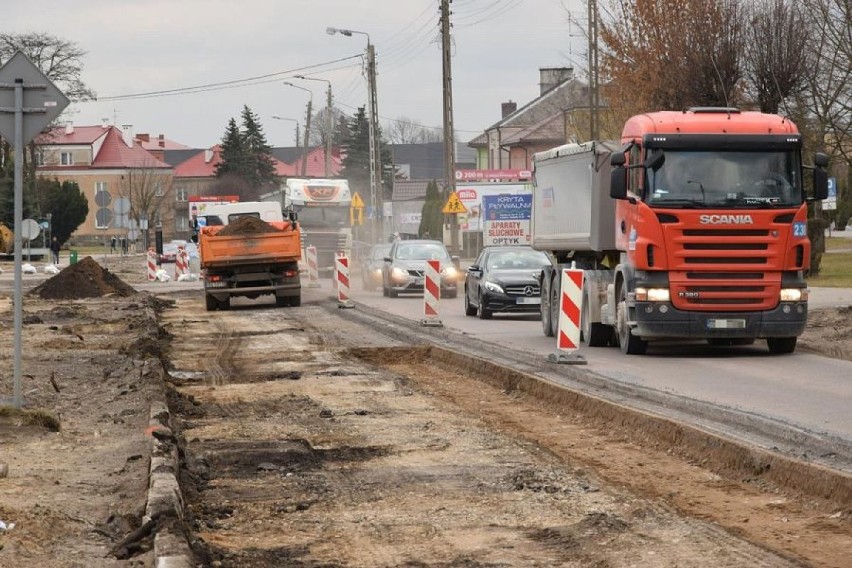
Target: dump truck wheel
column 781, row 345
column 211, row 302
column 295, row 301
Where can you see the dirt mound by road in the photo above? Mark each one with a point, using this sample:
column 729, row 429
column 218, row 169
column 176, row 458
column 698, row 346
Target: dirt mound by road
column 247, row 226
column 84, row 279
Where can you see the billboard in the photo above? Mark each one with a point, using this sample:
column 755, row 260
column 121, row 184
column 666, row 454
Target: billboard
column 506, row 219
column 472, row 195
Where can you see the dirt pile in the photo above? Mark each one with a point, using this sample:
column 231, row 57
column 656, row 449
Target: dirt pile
column 247, row 226
column 85, row 279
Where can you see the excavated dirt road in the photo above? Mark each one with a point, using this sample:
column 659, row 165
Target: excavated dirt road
column 312, row 441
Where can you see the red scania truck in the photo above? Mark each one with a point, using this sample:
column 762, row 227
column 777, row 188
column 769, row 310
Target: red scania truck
column 694, row 226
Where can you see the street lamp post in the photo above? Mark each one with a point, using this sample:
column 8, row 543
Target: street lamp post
column 276, row 117
column 307, row 126
column 376, row 193
column 327, row 123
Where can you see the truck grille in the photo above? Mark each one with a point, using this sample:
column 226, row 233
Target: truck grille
column 724, row 269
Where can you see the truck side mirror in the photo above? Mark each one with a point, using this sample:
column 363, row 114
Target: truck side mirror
column 821, row 160
column 618, row 176
column 820, row 184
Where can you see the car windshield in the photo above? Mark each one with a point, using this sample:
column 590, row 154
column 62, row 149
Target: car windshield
column 422, row 251
column 697, row 179
column 380, row 252
column 516, row 260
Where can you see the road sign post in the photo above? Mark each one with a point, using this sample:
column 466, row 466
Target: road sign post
column 28, row 103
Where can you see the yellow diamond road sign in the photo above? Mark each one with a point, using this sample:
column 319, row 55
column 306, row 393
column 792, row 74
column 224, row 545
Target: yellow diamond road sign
column 357, row 202
column 454, row 205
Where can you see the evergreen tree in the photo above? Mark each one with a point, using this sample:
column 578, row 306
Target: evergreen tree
column 67, row 205
column 233, row 153
column 431, row 217
column 356, row 162
column 260, row 169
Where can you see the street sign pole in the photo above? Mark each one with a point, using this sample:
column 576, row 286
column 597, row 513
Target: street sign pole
column 35, row 101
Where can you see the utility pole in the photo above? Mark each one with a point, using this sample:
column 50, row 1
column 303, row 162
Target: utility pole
column 594, row 116
column 328, row 131
column 307, row 141
column 449, row 143
column 375, row 145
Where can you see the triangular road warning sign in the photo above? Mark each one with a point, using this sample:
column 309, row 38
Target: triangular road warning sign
column 454, row 205
column 357, row 202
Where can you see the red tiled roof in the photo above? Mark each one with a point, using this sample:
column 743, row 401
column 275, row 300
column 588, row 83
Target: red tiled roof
column 316, row 164
column 203, row 164
column 159, row 143
column 114, row 153
column 86, row 135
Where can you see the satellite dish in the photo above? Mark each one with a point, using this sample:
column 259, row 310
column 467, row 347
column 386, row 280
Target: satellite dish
column 29, row 229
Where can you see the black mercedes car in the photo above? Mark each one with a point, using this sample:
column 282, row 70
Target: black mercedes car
column 504, row 279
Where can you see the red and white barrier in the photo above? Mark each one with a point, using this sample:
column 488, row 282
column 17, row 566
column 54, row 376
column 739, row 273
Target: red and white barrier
column 341, row 266
column 431, row 293
column 181, row 262
column 152, row 264
column 570, row 307
column 313, row 267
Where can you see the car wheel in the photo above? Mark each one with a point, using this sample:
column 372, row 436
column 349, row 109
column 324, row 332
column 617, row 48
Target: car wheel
column 451, row 294
column 481, row 311
column 392, row 293
column 468, row 309
column 384, row 289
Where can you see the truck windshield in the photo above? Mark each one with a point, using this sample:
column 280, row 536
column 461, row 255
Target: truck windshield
column 323, row 217
column 690, row 179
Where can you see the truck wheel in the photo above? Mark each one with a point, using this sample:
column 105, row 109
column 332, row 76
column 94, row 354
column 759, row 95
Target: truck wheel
column 295, row 301
column 225, row 304
column 595, row 334
column 555, row 293
column 545, row 306
column 282, row 301
column 211, row 302
column 629, row 343
column 781, row 345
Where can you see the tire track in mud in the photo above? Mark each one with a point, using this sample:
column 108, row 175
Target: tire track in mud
column 321, row 459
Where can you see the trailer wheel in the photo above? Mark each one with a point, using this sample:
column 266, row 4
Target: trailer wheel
column 781, row 345
column 295, row 301
column 211, row 302
column 544, row 307
column 225, row 304
column 282, row 301
column 629, row 343
column 595, row 334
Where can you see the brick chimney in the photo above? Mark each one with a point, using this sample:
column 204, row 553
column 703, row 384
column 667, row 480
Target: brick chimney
column 507, row 108
column 127, row 134
column 69, row 128
column 143, row 137
column 208, row 155
column 550, row 77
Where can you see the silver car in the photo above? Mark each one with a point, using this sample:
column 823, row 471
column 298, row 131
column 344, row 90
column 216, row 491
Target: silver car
column 404, row 268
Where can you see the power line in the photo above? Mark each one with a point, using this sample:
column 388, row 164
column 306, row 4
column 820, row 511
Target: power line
column 248, row 81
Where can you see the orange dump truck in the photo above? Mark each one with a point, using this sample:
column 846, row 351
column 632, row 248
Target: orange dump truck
column 250, row 258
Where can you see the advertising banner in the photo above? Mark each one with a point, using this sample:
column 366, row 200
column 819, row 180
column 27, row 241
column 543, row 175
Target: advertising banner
column 506, row 219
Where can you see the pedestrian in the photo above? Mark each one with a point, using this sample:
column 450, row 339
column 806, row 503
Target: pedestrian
column 112, row 245
column 124, row 246
column 54, row 250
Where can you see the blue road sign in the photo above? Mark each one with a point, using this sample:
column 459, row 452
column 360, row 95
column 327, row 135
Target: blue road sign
column 832, row 187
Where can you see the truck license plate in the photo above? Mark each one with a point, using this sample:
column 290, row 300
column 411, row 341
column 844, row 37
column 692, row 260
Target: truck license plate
column 726, row 324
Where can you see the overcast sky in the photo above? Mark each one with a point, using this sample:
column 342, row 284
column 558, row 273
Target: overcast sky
column 146, row 46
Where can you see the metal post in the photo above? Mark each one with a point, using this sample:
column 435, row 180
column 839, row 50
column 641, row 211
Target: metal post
column 17, row 397
column 328, row 131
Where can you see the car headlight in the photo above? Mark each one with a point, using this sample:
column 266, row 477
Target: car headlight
column 652, row 294
column 398, row 273
column 794, row 294
column 450, row 272
column 491, row 286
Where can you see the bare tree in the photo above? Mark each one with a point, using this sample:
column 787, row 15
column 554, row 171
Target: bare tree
column 150, row 192
column 406, row 130
column 776, row 55
column 59, row 59
column 671, row 54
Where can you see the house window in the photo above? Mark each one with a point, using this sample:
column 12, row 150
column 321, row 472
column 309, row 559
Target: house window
column 158, row 189
column 181, row 194
column 181, row 223
column 39, row 157
column 65, row 159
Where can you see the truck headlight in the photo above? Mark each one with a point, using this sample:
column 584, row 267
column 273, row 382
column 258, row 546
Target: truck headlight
column 652, row 294
column 493, row 287
column 794, row 294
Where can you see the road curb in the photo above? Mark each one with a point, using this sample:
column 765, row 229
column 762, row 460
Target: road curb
column 171, row 550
